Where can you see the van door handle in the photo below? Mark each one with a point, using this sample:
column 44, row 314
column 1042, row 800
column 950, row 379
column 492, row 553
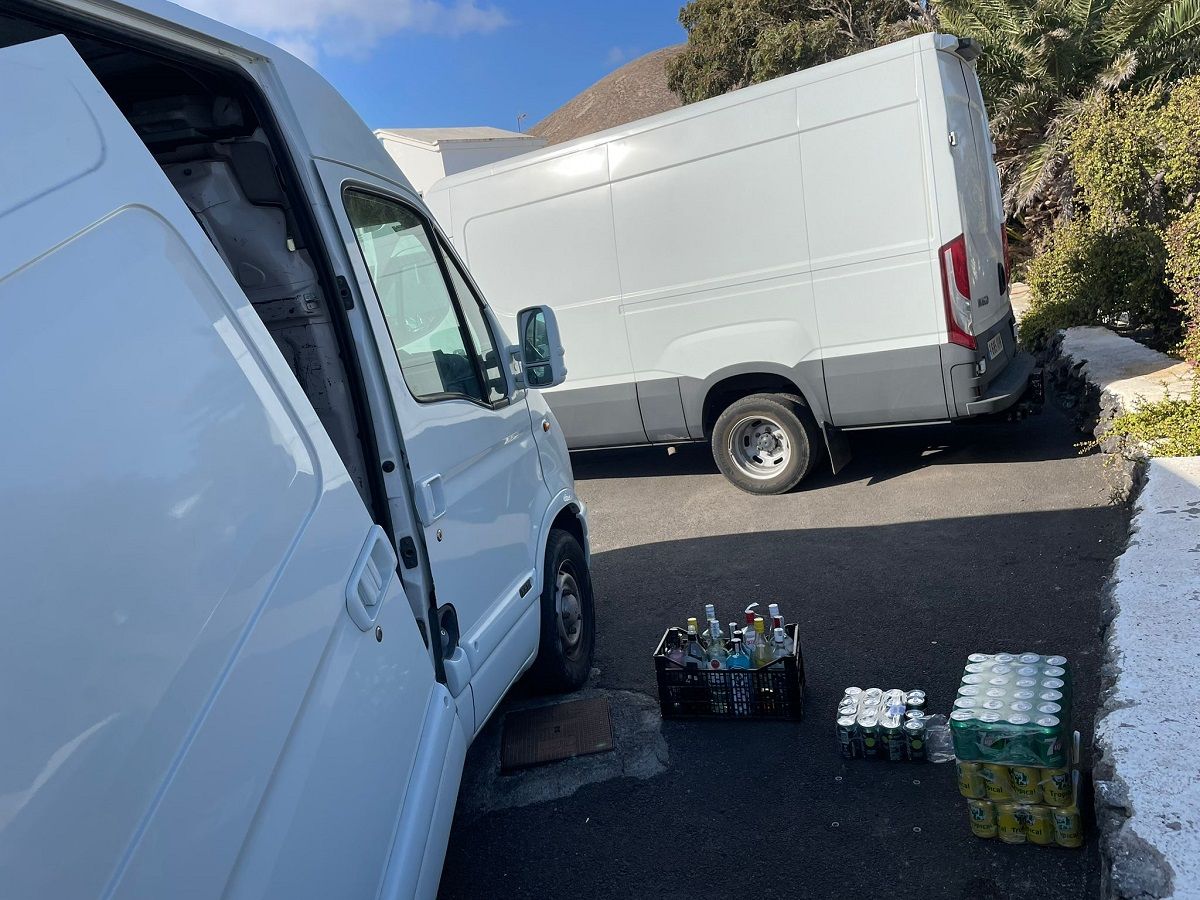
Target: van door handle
column 431, row 500
column 370, row 578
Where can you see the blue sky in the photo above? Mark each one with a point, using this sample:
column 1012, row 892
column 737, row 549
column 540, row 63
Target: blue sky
column 423, row 63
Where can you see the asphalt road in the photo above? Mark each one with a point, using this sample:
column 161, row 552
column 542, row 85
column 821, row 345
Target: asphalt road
column 932, row 544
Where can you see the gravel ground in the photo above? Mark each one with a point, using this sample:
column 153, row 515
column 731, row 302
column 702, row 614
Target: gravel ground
column 933, row 543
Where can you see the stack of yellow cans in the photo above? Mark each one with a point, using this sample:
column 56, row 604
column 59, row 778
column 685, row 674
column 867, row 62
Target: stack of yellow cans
column 1022, row 804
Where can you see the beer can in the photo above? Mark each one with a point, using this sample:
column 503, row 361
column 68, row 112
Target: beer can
column 1053, row 672
column 969, row 690
column 995, row 692
column 962, row 715
column 1023, row 695
column 1017, row 718
column 1028, row 659
column 978, row 658
column 875, row 693
column 1050, row 696
column 1009, row 824
column 996, row 781
column 965, row 703
column 1053, row 684
column 868, row 730
column 893, row 738
column 1020, row 706
column 914, row 714
column 1025, row 683
column 915, row 697
column 1039, row 825
column 1049, row 709
column 972, row 668
column 974, row 678
column 983, row 818
column 914, row 740
column 1026, row 784
column 993, row 703
column 1000, row 680
column 846, row 737
column 988, row 716
column 1028, row 671
column 1001, row 669
column 970, row 782
column 1057, row 786
column 1003, row 657
column 1068, row 827
column 1056, row 660
column 852, row 692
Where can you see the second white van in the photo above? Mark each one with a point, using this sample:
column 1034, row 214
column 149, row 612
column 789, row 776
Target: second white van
column 767, row 269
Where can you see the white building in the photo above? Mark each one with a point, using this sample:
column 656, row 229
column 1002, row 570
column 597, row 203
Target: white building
column 427, row 154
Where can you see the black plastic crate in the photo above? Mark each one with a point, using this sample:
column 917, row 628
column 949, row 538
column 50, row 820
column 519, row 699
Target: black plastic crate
column 774, row 691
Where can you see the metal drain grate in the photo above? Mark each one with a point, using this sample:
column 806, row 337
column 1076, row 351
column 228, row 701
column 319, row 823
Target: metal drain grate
column 549, row 733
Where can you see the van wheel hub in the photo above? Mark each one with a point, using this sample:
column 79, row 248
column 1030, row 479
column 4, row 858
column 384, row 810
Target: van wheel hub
column 759, row 447
column 569, row 609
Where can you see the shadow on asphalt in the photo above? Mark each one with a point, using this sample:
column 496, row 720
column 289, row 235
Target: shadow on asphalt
column 879, row 454
column 772, row 806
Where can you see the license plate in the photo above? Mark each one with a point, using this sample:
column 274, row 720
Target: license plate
column 995, row 346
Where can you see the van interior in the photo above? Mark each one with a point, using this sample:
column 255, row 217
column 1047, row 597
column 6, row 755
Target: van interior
column 209, row 132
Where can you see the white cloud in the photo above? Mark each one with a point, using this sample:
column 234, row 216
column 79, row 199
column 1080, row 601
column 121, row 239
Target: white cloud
column 310, row 29
column 620, row 55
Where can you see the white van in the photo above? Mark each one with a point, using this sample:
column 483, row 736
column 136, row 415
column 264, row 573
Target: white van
column 821, row 252
column 280, row 521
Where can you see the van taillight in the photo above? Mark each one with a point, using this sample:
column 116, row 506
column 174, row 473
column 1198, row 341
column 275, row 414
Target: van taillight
column 956, row 288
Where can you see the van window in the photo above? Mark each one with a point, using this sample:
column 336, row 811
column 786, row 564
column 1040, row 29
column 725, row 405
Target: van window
column 489, row 353
column 425, row 324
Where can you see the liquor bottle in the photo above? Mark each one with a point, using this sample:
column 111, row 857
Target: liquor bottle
column 694, row 654
column 734, row 631
column 737, row 656
column 717, row 654
column 694, row 625
column 748, row 634
column 779, row 645
column 675, row 648
column 763, row 653
column 778, row 622
column 710, row 612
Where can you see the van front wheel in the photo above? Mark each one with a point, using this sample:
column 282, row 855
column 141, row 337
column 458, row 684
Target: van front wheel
column 568, row 636
column 766, row 443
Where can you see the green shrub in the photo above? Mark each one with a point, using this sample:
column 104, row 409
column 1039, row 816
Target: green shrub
column 1179, row 123
column 1168, row 427
column 1091, row 274
column 1117, row 155
column 1183, row 276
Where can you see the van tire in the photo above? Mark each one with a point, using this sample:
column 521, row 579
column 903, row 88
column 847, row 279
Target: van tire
column 564, row 659
column 783, row 419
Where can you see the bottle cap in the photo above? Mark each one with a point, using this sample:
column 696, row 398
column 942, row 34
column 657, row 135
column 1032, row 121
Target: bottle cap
column 750, row 613
column 773, row 609
column 759, row 624
column 691, row 621
column 780, row 634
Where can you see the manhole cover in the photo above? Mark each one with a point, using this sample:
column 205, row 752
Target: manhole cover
column 548, row 733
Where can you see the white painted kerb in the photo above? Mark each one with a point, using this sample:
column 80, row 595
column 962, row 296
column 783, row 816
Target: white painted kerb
column 1124, row 368
column 1153, row 739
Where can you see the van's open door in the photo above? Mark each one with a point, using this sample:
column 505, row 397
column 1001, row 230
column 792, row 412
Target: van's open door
column 212, row 682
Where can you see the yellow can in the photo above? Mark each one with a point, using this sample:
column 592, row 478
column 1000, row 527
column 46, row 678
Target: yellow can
column 1039, row 825
column 1008, row 821
column 970, row 782
column 1026, row 784
column 1068, row 827
column 1058, row 787
column 983, row 818
column 996, row 782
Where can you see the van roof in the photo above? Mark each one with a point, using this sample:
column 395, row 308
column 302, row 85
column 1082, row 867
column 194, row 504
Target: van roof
column 917, row 44
column 329, row 126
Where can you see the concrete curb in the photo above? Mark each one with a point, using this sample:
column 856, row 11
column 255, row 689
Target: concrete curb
column 1147, row 783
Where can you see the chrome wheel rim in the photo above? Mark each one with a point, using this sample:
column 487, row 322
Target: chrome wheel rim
column 568, row 608
column 759, row 447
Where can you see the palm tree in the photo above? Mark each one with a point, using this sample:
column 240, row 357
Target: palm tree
column 1043, row 59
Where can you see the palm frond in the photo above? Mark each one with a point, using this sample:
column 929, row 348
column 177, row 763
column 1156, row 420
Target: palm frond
column 1176, row 20
column 1120, row 70
column 1126, row 20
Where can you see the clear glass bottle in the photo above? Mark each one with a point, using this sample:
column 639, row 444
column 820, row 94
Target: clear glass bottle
column 763, row 653
column 779, row 644
column 748, row 635
column 693, row 654
column 717, row 654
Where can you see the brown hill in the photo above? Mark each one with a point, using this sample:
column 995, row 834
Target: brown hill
column 634, row 91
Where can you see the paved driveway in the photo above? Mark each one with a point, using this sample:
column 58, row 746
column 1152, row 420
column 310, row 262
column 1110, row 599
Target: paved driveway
column 932, row 544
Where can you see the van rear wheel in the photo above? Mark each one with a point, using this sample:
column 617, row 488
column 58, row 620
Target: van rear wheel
column 766, row 443
column 568, row 631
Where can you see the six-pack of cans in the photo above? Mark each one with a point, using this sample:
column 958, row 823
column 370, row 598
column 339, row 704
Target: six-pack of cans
column 879, row 724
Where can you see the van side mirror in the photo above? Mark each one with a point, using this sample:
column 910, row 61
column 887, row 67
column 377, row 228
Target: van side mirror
column 540, row 350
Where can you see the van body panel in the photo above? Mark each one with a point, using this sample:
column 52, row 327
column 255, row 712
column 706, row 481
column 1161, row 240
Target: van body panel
column 479, row 465
column 662, row 410
column 789, row 229
column 184, row 647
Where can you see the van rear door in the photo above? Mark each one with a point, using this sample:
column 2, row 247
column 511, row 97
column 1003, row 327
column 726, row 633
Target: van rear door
column 196, row 696
column 978, row 186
